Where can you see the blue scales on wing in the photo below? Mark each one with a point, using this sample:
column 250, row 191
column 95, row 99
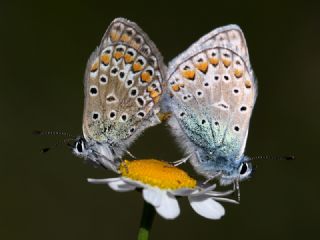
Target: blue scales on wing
column 211, row 94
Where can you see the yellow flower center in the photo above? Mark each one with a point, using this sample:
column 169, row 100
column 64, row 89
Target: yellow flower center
column 156, row 173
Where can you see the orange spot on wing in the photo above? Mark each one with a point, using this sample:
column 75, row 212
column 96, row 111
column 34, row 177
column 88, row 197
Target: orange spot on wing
column 118, row 55
column 128, row 58
column 189, row 74
column 154, row 94
column 226, row 62
column 114, row 35
column 94, row 67
column 135, row 45
column 203, row 67
column 146, row 77
column 156, row 99
column 238, row 73
column 149, row 89
column 177, row 87
column 105, row 59
column 125, row 38
column 214, row 61
column 137, row 67
column 248, row 84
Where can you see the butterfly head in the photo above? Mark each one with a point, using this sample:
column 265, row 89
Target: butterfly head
column 80, row 147
column 88, row 149
column 239, row 171
column 98, row 153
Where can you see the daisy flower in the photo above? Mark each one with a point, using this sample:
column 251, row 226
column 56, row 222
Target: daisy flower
column 161, row 183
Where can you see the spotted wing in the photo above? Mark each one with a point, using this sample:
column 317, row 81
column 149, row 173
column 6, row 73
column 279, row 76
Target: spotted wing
column 212, row 92
column 122, row 85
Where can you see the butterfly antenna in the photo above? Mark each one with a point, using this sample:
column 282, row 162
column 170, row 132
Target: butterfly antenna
column 52, row 133
column 271, row 158
column 236, row 188
column 63, row 142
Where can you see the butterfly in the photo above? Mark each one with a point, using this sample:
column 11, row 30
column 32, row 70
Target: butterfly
column 211, row 94
column 122, row 89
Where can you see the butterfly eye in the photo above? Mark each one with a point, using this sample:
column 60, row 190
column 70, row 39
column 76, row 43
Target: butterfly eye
column 79, row 146
column 243, row 168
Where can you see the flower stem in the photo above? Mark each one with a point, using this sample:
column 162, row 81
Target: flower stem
column 146, row 221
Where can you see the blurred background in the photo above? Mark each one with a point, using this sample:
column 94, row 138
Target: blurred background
column 44, row 46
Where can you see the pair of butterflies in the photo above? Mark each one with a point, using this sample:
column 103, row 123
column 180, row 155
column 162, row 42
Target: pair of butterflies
column 209, row 91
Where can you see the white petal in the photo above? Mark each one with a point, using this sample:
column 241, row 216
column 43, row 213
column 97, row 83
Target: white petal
column 152, row 196
column 102, row 181
column 117, row 184
column 169, row 207
column 183, row 192
column 206, row 207
column 121, row 186
column 138, row 184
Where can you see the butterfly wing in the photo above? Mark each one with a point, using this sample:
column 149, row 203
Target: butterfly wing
column 211, row 93
column 122, row 86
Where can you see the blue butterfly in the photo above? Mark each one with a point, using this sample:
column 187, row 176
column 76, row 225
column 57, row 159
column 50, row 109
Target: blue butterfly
column 211, row 95
column 122, row 86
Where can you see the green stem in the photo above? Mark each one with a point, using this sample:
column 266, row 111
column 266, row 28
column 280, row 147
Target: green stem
column 146, row 221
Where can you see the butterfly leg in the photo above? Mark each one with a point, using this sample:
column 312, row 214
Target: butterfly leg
column 217, row 174
column 130, row 154
column 236, row 188
column 106, row 163
column 125, row 166
column 181, row 161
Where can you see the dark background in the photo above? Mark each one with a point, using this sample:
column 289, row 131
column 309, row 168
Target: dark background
column 44, row 47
